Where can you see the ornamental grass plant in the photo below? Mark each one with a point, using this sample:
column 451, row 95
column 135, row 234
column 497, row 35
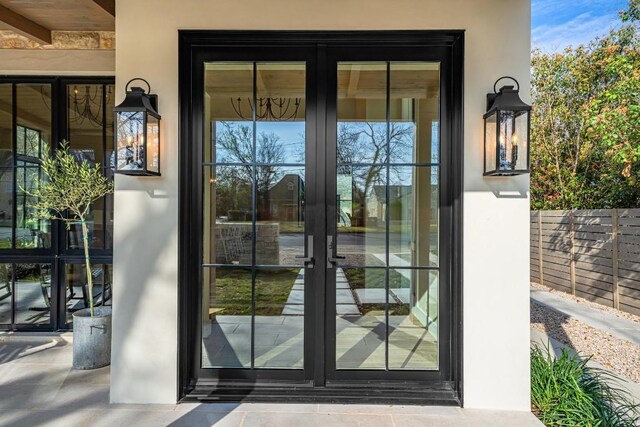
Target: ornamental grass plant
column 565, row 391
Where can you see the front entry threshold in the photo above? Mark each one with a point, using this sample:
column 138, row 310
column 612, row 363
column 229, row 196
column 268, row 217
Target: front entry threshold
column 401, row 393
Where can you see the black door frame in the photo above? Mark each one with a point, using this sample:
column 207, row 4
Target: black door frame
column 196, row 46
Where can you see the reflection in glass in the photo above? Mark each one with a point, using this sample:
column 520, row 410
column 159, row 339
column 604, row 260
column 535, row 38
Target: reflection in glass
column 86, row 122
column 413, row 319
column 6, row 290
column 33, row 293
column 228, row 212
column 253, row 214
column 226, row 320
column 361, row 220
column 6, row 207
column 77, row 289
column 153, row 144
column 280, row 112
column 33, row 136
column 229, row 138
column 388, row 215
column 513, row 139
column 280, row 215
column 414, row 112
column 279, row 318
column 108, row 236
column 490, row 129
column 360, row 318
column 6, row 125
column 30, row 232
column 6, row 163
column 130, row 145
column 413, row 216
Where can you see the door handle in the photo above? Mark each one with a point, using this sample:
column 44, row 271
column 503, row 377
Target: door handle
column 308, row 259
column 332, row 258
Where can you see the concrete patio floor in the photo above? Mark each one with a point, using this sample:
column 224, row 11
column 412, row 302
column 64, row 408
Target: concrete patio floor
column 38, row 387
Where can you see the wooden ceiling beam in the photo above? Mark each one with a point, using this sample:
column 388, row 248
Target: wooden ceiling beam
column 108, row 5
column 25, row 26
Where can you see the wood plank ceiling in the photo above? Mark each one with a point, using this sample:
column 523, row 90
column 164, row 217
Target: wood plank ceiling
column 36, row 19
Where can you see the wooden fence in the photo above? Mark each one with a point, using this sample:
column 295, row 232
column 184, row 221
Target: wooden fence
column 594, row 254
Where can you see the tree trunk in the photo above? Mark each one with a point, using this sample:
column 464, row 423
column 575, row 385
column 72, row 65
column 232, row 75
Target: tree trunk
column 85, row 240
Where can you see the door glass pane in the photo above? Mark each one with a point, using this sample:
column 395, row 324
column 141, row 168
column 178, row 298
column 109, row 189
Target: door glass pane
column 226, row 318
column 228, row 210
column 30, row 232
column 6, row 207
column 6, row 290
column 360, row 320
column 387, row 215
column 280, row 222
column 33, row 138
column 77, row 289
column 414, row 112
column 254, row 212
column 33, row 293
column 6, row 163
column 361, row 219
column 413, row 319
column 279, row 320
column 413, row 216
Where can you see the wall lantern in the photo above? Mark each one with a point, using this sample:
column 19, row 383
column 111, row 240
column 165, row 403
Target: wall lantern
column 137, row 132
column 506, row 132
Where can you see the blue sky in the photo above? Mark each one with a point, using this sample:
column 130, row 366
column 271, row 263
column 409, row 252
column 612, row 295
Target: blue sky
column 557, row 24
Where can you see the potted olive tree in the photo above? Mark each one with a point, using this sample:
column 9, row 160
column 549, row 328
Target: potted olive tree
column 65, row 192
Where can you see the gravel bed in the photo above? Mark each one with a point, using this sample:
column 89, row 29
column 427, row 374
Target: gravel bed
column 620, row 356
column 611, row 310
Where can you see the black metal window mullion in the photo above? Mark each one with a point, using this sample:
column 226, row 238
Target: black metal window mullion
column 387, row 213
column 254, row 216
column 14, row 149
column 105, row 168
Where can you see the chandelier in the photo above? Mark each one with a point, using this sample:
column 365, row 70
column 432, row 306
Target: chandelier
column 88, row 106
column 277, row 109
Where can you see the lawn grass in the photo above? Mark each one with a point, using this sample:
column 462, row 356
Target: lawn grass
column 567, row 392
column 233, row 291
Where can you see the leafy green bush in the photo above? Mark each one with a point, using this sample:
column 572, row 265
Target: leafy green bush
column 567, row 392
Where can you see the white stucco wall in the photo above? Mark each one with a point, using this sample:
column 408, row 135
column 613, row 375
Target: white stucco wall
column 496, row 210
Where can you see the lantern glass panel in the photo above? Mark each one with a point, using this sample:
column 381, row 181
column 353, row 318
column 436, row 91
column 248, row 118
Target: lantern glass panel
column 491, row 130
column 130, row 140
column 153, row 144
column 508, row 142
column 520, row 139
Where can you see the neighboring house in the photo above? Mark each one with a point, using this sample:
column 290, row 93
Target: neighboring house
column 371, row 63
column 286, row 199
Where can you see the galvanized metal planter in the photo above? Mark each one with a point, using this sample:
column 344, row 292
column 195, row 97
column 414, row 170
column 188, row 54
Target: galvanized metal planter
column 92, row 338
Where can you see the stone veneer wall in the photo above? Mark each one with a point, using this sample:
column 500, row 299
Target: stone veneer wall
column 68, row 40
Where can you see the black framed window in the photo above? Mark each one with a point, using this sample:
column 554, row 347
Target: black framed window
column 40, row 261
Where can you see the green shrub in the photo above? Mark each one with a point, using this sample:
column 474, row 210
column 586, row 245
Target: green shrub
column 567, row 392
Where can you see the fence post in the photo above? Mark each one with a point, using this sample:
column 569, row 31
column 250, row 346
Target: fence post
column 614, row 257
column 540, row 263
column 572, row 258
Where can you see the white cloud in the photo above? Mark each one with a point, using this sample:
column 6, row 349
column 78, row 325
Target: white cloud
column 579, row 30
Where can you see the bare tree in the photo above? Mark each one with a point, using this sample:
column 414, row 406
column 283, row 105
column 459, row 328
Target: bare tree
column 369, row 143
column 235, row 145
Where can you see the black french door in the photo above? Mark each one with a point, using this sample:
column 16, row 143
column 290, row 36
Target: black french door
column 320, row 194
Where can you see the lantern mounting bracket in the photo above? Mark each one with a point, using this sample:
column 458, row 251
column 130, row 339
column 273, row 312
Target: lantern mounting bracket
column 491, row 97
column 153, row 98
